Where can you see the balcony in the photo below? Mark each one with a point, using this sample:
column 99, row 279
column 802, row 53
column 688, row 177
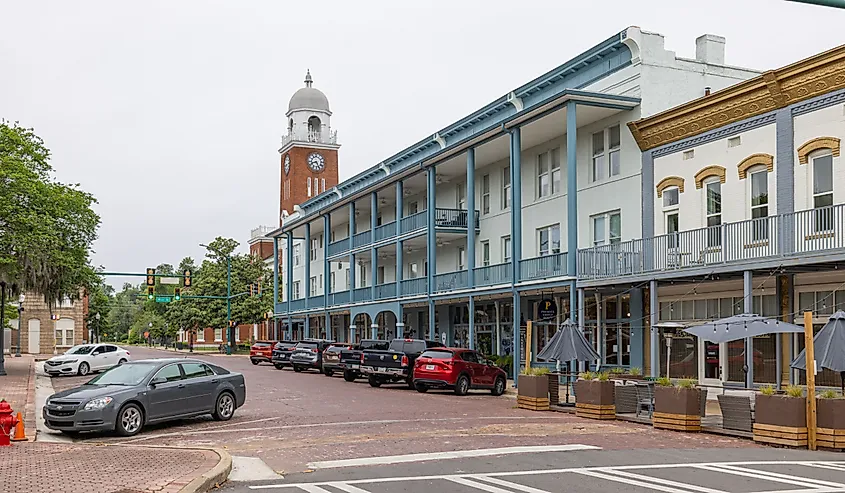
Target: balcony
column 316, row 300
column 338, row 298
column 492, row 274
column 338, row 247
column 385, row 231
column 792, row 235
column 361, row 294
column 361, row 239
column 450, row 281
column 323, row 136
column 297, row 305
column 414, row 222
column 386, row 291
column 454, row 218
column 543, row 267
column 413, row 287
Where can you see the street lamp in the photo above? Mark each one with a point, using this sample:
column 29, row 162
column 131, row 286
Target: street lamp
column 230, row 333
column 21, row 299
column 97, row 326
column 150, row 335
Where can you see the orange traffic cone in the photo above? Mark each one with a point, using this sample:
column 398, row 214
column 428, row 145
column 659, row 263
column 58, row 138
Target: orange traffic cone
column 20, row 434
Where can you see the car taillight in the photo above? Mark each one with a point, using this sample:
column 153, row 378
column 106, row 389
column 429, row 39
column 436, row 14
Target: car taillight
column 404, row 360
column 314, row 350
column 127, row 353
column 362, row 357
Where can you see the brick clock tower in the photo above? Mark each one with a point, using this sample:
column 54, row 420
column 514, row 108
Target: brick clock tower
column 309, row 149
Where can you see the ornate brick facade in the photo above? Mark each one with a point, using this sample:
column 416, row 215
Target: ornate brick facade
column 294, row 183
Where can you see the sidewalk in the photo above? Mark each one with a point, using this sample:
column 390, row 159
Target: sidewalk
column 18, row 388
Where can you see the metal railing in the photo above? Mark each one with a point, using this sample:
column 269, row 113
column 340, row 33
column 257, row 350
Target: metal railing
column 361, row 294
column 361, row 239
column 385, row 291
column 296, row 305
column 322, row 136
column 450, row 281
column 414, row 222
column 788, row 235
column 338, row 298
column 493, row 274
column 454, row 218
column 544, row 267
column 260, row 232
column 410, row 287
column 316, row 301
column 385, row 231
column 338, row 246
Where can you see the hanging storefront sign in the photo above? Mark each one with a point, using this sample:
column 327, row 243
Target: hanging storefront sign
column 547, row 309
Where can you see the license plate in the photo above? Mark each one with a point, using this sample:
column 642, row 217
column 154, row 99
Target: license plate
column 353, row 365
column 382, row 370
column 429, row 367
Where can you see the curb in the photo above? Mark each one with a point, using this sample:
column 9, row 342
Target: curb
column 215, row 476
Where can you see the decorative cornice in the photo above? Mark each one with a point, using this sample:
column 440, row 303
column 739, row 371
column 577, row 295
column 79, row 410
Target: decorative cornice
column 670, row 181
column 712, row 170
column 754, row 160
column 811, row 145
column 814, row 76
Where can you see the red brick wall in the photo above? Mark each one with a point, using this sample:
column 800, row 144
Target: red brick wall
column 262, row 249
column 299, row 173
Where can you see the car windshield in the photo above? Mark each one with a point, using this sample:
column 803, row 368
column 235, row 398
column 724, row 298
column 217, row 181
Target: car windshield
column 261, row 344
column 80, row 350
column 126, row 374
column 437, row 354
column 285, row 345
column 306, row 345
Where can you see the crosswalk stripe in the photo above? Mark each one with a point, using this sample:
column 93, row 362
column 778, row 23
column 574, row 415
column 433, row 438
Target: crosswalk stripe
column 478, row 486
column 666, row 482
column 348, row 488
column 774, row 477
column 819, row 482
column 830, row 465
column 312, row 488
column 510, row 485
column 649, row 485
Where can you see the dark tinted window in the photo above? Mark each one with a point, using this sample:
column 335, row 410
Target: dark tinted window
column 408, row 346
column 170, row 373
column 306, row 345
column 128, row 374
column 285, row 345
column 195, row 370
column 433, row 344
column 434, row 354
column 262, row 344
column 110, row 349
column 335, row 349
column 379, row 345
column 99, row 350
column 469, row 357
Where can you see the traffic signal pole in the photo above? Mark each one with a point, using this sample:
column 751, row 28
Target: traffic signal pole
column 229, row 304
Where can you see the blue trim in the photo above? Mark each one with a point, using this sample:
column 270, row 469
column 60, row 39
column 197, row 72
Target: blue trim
column 571, row 187
column 516, row 336
column 431, row 233
column 647, row 223
column 431, row 320
column 327, row 236
column 289, row 279
column 715, row 134
column 470, row 251
column 351, row 286
column 471, row 322
column 373, row 250
column 307, row 259
column 275, row 274
column 516, row 199
column 818, row 102
column 399, row 213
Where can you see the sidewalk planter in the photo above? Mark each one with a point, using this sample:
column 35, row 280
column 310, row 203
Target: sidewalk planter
column 595, row 399
column 830, row 419
column 780, row 420
column 677, row 409
column 533, row 392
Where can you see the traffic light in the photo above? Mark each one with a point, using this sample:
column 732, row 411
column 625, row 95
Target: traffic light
column 151, row 277
column 177, row 294
column 187, row 279
column 151, row 292
column 251, row 289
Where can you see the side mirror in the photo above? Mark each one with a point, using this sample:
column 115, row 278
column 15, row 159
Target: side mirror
column 157, row 381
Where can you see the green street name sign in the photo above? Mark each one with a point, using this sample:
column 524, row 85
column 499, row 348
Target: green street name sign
column 164, row 299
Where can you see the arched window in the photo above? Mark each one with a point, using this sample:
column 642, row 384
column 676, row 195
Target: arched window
column 309, row 186
column 314, row 124
column 290, row 124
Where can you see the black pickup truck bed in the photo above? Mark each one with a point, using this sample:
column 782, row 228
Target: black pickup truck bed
column 395, row 364
column 350, row 359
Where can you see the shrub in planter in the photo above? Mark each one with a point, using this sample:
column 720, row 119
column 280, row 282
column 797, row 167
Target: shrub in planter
column 830, row 420
column 533, row 390
column 781, row 419
column 595, row 398
column 677, row 407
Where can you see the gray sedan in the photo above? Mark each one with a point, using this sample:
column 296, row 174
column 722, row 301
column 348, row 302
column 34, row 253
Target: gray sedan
column 127, row 397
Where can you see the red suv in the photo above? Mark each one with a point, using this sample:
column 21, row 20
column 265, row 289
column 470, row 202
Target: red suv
column 261, row 351
column 457, row 369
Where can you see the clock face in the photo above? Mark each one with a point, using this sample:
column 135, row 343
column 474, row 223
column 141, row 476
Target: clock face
column 287, row 163
column 316, row 161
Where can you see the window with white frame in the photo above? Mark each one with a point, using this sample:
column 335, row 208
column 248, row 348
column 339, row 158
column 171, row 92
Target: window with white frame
column 462, row 258
column 297, row 259
column 759, row 182
column 413, row 207
column 548, row 173
column 218, row 335
column 823, row 191
column 671, row 197
column 332, row 283
column 485, row 253
column 607, row 228
column 347, row 279
column 295, row 291
column 462, row 196
column 548, row 240
column 485, row 194
column 362, row 275
column 713, row 212
column 313, row 282
column 506, row 249
column 323, row 180
column 309, row 186
column 314, row 245
column 606, row 153
column 413, row 270
column 506, row 187
column 380, row 275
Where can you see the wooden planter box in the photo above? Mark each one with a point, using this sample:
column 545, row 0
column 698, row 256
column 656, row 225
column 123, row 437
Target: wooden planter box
column 677, row 409
column 830, row 419
column 533, row 392
column 595, row 399
column 780, row 420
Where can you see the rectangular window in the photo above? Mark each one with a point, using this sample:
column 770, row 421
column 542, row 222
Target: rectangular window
column 314, row 243
column 690, row 154
column 313, row 285
column 347, row 279
column 613, row 156
column 734, row 141
column 485, row 253
column 413, row 207
column 598, row 156
column 332, row 282
column 555, row 157
column 506, row 249
column 309, row 186
column 462, row 258
column 543, row 178
column 462, row 196
column 607, row 228
column 548, row 240
column 380, row 275
column 218, row 335
column 760, row 204
column 378, row 220
column 823, row 192
column 714, row 213
column 672, row 229
column 413, row 270
column 485, row 194
column 599, row 230
column 670, row 197
column 506, row 187
column 323, row 180
column 295, row 290
column 606, row 153
column 297, row 258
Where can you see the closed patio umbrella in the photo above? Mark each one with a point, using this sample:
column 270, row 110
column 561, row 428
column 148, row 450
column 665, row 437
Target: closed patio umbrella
column 829, row 347
column 568, row 344
column 740, row 326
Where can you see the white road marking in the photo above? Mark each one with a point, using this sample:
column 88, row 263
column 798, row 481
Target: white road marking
column 649, row 485
column 478, row 486
column 831, row 465
column 458, row 454
column 665, row 482
column 818, row 482
column 510, row 485
column 813, row 490
column 348, row 488
column 310, row 488
column 251, row 469
column 756, row 474
column 43, row 391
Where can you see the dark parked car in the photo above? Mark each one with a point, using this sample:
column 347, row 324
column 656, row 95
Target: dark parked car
column 308, row 354
column 261, row 352
column 457, row 369
column 331, row 358
column 281, row 353
column 137, row 393
column 350, row 359
column 396, row 364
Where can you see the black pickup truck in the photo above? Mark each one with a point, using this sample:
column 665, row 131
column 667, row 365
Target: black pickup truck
column 350, row 359
column 396, row 364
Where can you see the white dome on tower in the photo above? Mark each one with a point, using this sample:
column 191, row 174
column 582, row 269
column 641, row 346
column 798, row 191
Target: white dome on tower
column 309, row 98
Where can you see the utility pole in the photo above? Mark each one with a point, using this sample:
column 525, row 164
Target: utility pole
column 21, row 299
column 231, row 336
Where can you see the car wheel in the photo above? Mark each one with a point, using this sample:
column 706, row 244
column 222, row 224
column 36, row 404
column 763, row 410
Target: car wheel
column 83, row 369
column 410, row 383
column 122, row 360
column 349, row 376
column 279, row 367
column 498, row 387
column 225, row 407
column 297, row 369
column 421, row 388
column 130, row 420
column 462, row 385
column 255, row 362
column 328, row 372
column 374, row 381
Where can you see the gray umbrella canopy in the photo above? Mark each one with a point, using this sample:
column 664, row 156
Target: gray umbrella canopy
column 828, row 344
column 739, row 327
column 568, row 344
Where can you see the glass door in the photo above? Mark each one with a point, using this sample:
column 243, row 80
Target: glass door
column 712, row 365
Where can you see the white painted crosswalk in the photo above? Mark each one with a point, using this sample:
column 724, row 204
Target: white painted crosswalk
column 711, row 477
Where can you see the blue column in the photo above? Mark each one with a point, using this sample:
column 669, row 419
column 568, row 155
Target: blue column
column 373, row 250
column 327, row 236
column 289, row 282
column 351, row 256
column 747, row 292
column 516, row 203
column 329, row 327
column 307, row 326
column 516, row 342
column 655, row 336
column 352, row 329
column 571, row 189
column 430, row 319
column 307, row 259
column 471, row 221
column 275, row 274
column 471, row 322
column 399, row 261
column 400, row 323
column 431, row 252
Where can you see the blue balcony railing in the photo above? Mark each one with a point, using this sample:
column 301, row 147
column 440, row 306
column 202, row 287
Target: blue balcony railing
column 385, row 291
column 411, row 287
column 296, row 305
column 338, row 247
column 450, row 281
column 361, row 239
column 543, row 267
column 385, row 231
column 493, row 274
column 338, row 298
column 414, row 222
column 361, row 294
column 316, row 301
column 454, row 218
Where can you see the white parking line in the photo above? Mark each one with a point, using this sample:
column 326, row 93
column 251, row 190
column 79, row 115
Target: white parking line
column 815, row 483
column 348, row 488
column 665, row 482
column 831, row 465
column 458, row 454
column 510, row 485
column 609, row 477
column 774, row 477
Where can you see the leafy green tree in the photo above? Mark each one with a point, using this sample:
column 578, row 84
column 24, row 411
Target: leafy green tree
column 100, row 301
column 125, row 308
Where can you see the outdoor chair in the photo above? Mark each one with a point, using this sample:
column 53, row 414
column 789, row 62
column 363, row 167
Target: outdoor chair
column 736, row 412
column 626, row 399
column 645, row 398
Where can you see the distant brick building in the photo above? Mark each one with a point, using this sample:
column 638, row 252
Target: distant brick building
column 48, row 331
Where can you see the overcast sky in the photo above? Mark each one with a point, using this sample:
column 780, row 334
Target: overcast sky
column 171, row 112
